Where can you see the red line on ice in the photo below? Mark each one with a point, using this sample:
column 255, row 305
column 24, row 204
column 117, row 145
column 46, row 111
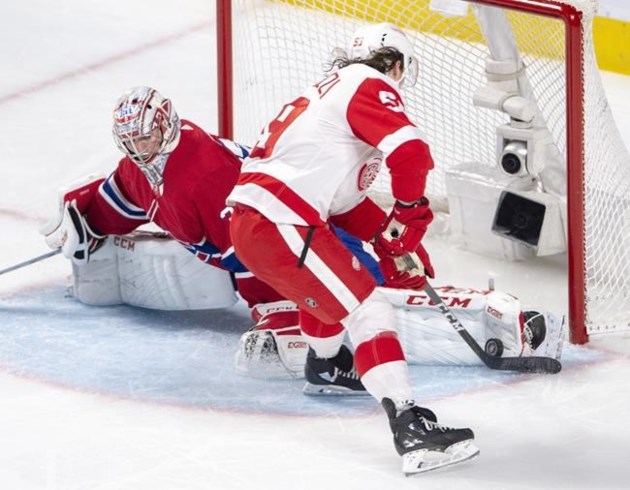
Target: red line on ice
column 102, row 63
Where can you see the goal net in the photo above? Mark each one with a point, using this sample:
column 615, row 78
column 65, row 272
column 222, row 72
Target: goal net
column 270, row 51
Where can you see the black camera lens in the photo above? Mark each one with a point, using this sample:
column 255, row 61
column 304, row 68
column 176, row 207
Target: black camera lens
column 511, row 163
column 521, row 220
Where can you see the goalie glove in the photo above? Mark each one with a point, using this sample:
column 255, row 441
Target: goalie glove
column 72, row 234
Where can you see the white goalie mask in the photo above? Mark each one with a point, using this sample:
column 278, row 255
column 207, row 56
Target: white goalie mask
column 370, row 38
column 146, row 127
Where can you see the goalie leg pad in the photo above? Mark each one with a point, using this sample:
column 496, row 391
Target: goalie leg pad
column 152, row 271
column 493, row 318
column 274, row 347
column 502, row 317
column 271, row 354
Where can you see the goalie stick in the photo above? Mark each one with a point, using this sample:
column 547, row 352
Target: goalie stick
column 532, row 364
column 31, row 261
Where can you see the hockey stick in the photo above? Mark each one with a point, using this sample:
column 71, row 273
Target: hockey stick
column 547, row 365
column 30, row 261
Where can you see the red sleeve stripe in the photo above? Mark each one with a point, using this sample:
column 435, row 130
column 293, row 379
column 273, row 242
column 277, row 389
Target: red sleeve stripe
column 284, row 194
column 381, row 349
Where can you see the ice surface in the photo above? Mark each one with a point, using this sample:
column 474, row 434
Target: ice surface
column 122, row 398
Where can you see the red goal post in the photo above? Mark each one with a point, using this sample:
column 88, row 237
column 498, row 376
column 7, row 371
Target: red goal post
column 270, row 50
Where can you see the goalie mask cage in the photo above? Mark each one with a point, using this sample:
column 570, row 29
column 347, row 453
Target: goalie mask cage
column 270, row 51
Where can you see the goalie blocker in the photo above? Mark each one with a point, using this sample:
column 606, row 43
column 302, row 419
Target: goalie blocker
column 151, row 270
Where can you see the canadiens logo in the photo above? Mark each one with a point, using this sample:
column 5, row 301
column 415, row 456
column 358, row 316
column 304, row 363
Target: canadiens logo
column 368, row 173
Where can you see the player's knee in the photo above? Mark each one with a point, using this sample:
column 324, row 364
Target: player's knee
column 374, row 316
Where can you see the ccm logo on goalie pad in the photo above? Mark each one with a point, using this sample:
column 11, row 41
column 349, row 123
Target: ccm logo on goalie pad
column 453, row 302
column 124, row 243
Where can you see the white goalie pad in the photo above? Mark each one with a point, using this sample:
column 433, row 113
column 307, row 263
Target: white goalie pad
column 271, row 354
column 151, row 270
column 493, row 318
column 274, row 347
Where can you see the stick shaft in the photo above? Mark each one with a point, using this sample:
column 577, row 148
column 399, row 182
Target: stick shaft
column 31, row 261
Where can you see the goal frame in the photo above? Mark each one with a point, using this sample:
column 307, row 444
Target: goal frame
column 572, row 19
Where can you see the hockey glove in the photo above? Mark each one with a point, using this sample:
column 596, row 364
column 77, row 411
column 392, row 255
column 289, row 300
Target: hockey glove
column 72, row 234
column 402, row 272
column 404, row 227
column 400, row 238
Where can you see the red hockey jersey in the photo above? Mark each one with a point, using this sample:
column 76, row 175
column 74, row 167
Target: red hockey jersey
column 189, row 205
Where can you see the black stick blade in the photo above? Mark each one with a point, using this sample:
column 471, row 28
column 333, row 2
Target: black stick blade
column 545, row 365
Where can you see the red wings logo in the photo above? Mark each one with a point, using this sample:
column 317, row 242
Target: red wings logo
column 368, row 173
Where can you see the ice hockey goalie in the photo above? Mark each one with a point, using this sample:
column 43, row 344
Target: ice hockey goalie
column 151, row 270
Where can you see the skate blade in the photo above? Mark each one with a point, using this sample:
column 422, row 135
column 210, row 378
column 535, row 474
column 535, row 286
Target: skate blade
column 424, row 460
column 330, row 390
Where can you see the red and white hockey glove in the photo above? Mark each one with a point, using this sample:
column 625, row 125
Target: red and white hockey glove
column 404, row 261
column 404, row 272
column 405, row 227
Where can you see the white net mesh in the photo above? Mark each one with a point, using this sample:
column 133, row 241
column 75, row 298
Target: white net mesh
column 281, row 47
column 606, row 208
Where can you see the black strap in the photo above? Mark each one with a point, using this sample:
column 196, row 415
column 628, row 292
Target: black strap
column 307, row 244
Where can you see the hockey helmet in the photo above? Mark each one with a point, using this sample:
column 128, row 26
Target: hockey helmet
column 372, row 37
column 138, row 112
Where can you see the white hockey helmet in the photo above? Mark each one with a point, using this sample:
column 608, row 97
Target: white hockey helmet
column 138, row 112
column 372, row 37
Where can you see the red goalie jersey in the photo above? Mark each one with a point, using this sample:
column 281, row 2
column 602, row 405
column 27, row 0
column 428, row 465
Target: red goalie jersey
column 189, row 204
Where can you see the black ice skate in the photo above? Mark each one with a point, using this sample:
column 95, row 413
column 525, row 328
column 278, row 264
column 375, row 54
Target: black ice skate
column 334, row 376
column 423, row 443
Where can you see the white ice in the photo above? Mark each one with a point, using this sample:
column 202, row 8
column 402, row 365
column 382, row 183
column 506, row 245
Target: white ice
column 122, row 399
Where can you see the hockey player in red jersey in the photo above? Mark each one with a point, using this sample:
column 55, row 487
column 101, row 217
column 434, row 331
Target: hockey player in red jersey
column 175, row 175
column 311, row 167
